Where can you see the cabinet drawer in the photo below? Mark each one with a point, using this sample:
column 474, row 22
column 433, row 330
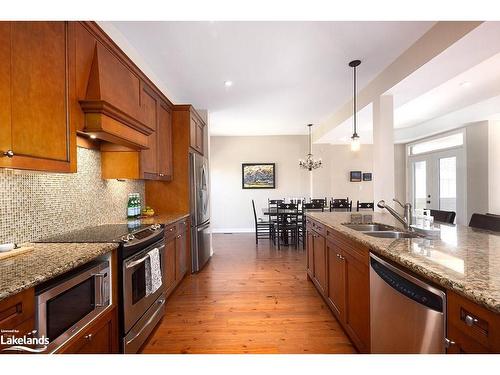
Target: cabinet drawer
column 170, row 232
column 474, row 321
column 318, row 227
column 16, row 309
column 25, row 328
column 100, row 337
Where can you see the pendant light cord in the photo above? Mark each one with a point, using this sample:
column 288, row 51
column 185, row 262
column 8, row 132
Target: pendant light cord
column 354, row 90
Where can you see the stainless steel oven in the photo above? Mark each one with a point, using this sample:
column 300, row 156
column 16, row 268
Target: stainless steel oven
column 67, row 303
column 141, row 311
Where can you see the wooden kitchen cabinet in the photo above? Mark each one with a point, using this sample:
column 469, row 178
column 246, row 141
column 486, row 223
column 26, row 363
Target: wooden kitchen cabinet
column 100, row 337
column 357, row 301
column 181, row 255
column 170, row 266
column 176, row 254
column 341, row 275
column 164, row 137
column 336, row 280
column 36, row 90
column 471, row 328
column 197, row 128
column 149, row 157
column 17, row 313
column 310, row 252
column 319, row 259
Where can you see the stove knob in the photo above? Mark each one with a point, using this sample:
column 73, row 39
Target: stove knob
column 130, row 237
column 152, row 228
column 124, row 239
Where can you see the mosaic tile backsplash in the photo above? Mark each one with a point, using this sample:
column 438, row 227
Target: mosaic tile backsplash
column 36, row 205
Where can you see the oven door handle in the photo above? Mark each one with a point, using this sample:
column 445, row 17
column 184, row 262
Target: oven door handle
column 140, row 260
column 99, row 277
column 160, row 303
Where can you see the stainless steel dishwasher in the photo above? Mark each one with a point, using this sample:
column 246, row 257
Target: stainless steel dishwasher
column 406, row 314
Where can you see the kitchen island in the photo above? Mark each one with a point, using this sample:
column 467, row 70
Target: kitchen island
column 463, row 261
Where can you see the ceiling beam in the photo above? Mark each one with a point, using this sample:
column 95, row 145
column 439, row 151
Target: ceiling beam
column 441, row 36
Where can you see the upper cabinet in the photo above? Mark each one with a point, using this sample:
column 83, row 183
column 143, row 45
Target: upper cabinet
column 156, row 161
column 36, row 90
column 197, row 129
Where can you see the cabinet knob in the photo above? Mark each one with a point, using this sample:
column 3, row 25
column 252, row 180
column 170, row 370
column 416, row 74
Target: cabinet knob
column 161, row 175
column 448, row 343
column 8, row 153
column 88, row 337
column 470, row 320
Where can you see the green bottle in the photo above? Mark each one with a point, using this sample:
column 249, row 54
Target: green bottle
column 130, row 206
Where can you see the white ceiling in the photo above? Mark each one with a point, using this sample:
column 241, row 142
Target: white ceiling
column 433, row 99
column 285, row 74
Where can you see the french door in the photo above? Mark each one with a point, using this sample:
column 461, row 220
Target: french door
column 437, row 181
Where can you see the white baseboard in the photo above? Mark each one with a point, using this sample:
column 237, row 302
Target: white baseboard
column 233, row 230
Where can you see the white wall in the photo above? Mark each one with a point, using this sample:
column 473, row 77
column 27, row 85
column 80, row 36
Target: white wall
column 494, row 167
column 400, row 173
column 477, row 168
column 332, row 180
column 231, row 207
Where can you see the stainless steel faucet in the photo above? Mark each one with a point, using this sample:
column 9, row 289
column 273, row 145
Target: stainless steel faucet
column 406, row 220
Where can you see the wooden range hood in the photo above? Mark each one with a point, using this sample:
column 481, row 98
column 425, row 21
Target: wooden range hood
column 112, row 104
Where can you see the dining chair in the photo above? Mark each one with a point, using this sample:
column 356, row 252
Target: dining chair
column 443, row 216
column 262, row 228
column 272, row 208
column 365, row 206
column 319, row 201
column 341, row 204
column 488, row 222
column 287, row 224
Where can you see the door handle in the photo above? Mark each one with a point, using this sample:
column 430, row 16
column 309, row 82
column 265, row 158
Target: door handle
column 141, row 260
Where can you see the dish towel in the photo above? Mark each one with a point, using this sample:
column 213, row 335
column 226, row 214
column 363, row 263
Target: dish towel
column 153, row 272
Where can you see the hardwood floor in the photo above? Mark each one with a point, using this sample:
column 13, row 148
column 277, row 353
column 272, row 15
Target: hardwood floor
column 248, row 299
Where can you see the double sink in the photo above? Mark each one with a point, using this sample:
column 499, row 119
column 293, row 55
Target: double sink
column 381, row 231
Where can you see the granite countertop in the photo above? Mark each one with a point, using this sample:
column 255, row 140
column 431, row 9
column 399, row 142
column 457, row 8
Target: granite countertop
column 44, row 262
column 462, row 259
column 49, row 260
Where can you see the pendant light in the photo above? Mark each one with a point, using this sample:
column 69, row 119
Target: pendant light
column 310, row 163
column 355, row 145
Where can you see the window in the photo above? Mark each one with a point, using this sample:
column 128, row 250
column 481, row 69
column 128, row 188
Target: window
column 448, row 141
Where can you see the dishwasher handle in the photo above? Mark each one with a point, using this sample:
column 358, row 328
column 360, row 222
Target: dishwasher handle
column 409, row 289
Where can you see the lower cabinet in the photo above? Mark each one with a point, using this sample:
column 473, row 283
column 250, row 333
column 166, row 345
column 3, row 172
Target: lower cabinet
column 100, row 337
column 176, row 255
column 357, row 302
column 319, row 259
column 471, row 328
column 341, row 275
column 336, row 280
column 310, row 253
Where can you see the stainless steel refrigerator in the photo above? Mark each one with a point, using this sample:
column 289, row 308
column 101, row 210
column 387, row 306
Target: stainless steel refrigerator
column 201, row 243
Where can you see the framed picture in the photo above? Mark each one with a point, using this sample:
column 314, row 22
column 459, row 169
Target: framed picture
column 367, row 176
column 258, row 176
column 355, row 176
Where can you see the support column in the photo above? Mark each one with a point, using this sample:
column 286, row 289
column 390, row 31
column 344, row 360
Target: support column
column 383, row 149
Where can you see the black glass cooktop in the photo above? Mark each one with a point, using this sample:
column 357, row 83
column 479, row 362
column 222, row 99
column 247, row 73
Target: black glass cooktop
column 100, row 234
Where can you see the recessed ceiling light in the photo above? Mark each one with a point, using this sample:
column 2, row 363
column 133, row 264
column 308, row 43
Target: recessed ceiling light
column 93, row 136
column 228, row 83
column 465, row 84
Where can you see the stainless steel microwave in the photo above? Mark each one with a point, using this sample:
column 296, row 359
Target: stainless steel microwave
column 68, row 303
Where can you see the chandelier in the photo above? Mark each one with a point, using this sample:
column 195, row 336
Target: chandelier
column 310, row 163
